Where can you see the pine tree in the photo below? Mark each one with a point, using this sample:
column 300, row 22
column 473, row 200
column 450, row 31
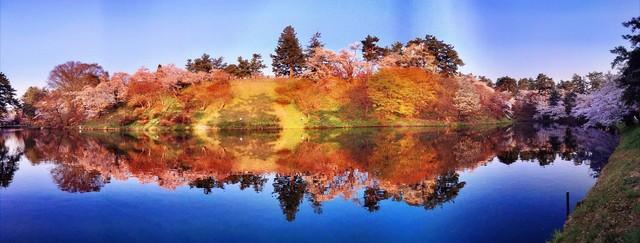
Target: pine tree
column 314, row 43
column 569, row 102
column 7, row 95
column 554, row 97
column 370, row 49
column 288, row 58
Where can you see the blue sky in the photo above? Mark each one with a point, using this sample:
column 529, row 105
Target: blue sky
column 494, row 38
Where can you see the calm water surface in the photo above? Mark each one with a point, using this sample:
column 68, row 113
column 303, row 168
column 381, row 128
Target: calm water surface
column 436, row 185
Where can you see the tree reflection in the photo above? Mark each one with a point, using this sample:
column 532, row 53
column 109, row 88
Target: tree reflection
column 8, row 162
column 418, row 167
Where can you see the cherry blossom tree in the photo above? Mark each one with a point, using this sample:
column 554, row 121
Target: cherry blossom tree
column 604, row 106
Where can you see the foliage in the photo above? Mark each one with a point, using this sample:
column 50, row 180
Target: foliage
column 288, row 58
column 7, row 95
column 446, row 57
column 466, row 100
column 629, row 61
column 602, row 107
column 402, row 92
column 74, row 76
column 507, row 83
column 413, row 55
column 544, row 84
column 371, row 52
column 205, row 64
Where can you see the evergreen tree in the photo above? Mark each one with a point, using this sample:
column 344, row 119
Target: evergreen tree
column 7, row 96
column 554, row 97
column 256, row 65
column 579, row 84
column 446, row 57
column 544, row 83
column 596, row 79
column 526, row 84
column 370, row 49
column 314, row 43
column 205, row 64
column 569, row 102
column 487, row 81
column 629, row 61
column 506, row 83
column 396, row 47
column 288, row 58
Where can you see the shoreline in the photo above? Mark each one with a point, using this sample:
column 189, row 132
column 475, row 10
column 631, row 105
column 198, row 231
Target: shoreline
column 611, row 209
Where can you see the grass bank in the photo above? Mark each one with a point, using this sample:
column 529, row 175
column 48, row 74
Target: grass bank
column 611, row 210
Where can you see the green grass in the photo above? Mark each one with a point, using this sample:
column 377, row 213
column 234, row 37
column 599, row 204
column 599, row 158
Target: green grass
column 611, row 210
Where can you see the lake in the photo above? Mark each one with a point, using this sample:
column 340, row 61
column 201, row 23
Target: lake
column 484, row 184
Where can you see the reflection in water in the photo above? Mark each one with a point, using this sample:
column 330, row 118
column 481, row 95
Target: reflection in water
column 419, row 167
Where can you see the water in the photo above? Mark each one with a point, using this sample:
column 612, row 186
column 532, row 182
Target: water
column 413, row 184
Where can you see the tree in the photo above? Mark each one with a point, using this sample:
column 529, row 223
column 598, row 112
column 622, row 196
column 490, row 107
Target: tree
column 544, row 84
column 256, row 65
column 371, row 52
column 413, row 55
column 579, row 84
column 314, row 43
column 205, row 64
column 288, row 58
column 466, row 101
column 506, row 83
column 554, row 97
column 402, row 91
column 108, row 94
column 526, row 84
column 7, row 96
column 569, row 102
column 30, row 99
column 446, row 57
column 487, row 81
column 246, row 68
column 344, row 64
column 74, row 76
column 396, row 47
column 604, row 106
column 629, row 61
column 595, row 80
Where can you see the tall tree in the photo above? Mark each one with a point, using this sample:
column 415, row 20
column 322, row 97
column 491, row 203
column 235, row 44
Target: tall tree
column 544, row 84
column 205, row 64
column 288, row 58
column 629, row 61
column 314, row 43
column 506, row 83
column 370, row 49
column 446, row 57
column 7, row 95
column 73, row 76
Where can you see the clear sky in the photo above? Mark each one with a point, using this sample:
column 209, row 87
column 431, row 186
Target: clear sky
column 494, row 38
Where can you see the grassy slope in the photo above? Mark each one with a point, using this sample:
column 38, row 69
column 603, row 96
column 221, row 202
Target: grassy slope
column 611, row 210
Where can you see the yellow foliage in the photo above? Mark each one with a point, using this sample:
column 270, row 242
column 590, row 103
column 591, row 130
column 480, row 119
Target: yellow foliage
column 402, row 91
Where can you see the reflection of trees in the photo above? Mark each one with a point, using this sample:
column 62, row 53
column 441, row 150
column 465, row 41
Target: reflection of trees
column 75, row 178
column 419, row 167
column 544, row 144
column 245, row 181
column 8, row 164
column 290, row 191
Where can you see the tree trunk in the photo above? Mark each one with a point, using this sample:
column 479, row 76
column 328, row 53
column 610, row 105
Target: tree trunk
column 291, row 71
